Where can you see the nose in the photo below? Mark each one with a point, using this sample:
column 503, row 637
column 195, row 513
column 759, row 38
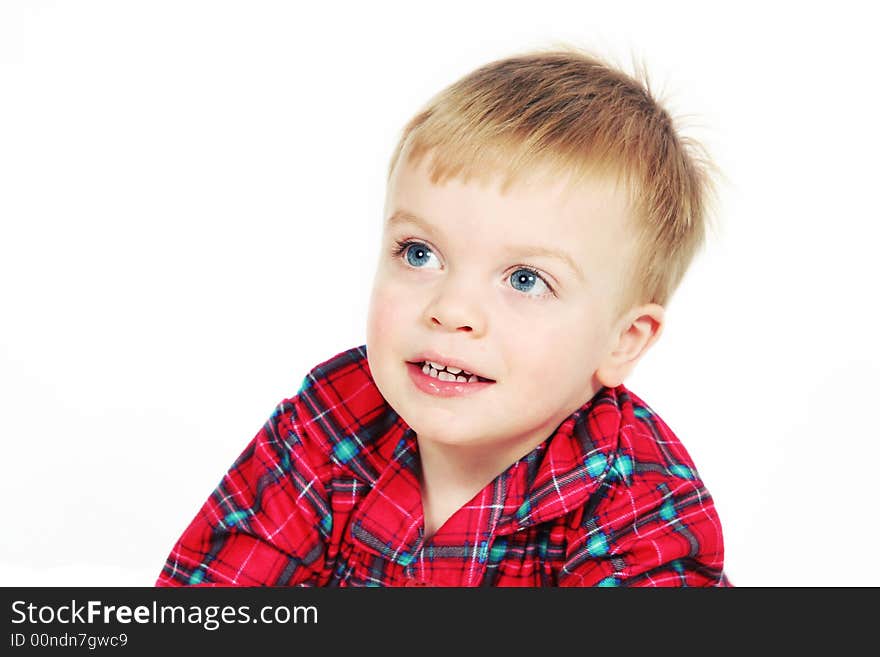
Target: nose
column 455, row 307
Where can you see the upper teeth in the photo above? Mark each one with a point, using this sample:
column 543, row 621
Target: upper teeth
column 448, row 373
column 449, row 368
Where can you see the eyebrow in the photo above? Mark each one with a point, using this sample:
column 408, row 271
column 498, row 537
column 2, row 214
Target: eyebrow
column 404, row 217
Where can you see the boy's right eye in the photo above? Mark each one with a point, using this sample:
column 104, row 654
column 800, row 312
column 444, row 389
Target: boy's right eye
column 417, row 255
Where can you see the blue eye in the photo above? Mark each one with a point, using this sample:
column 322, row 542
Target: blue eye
column 417, row 254
column 526, row 280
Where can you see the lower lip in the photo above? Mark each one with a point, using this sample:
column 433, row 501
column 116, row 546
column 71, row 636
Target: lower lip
column 430, row 385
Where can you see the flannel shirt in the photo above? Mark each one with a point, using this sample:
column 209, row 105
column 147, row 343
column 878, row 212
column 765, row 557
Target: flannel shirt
column 327, row 494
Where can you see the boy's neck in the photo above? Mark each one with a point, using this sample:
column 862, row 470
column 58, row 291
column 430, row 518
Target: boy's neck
column 453, row 474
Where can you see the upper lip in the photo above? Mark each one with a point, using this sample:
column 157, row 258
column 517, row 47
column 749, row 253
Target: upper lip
column 447, row 360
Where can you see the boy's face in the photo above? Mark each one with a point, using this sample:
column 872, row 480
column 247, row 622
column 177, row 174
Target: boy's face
column 474, row 282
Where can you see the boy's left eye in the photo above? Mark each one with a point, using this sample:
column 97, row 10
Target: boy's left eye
column 528, row 280
column 523, row 279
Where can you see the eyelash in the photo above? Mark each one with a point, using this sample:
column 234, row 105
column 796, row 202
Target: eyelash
column 402, row 245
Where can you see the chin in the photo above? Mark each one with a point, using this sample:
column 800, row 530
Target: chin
column 440, row 430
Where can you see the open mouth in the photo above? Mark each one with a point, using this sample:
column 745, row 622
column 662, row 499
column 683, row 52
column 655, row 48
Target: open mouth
column 449, row 373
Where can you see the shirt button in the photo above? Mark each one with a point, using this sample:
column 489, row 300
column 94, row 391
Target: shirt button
column 416, row 582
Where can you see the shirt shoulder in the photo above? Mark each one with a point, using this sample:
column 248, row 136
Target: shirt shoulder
column 339, row 408
column 651, row 521
column 647, row 446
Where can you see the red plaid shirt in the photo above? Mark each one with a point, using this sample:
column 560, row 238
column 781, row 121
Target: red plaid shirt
column 327, row 494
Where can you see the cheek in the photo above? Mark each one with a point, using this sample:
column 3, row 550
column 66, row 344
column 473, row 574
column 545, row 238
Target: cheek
column 384, row 316
column 554, row 350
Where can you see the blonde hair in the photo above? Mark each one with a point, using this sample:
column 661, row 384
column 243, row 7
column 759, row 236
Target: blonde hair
column 569, row 113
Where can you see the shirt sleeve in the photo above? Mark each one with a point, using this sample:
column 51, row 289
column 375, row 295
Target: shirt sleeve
column 266, row 523
column 658, row 532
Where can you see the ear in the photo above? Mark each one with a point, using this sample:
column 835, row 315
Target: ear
column 637, row 331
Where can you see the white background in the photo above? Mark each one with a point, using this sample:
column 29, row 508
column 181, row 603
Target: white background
column 190, row 195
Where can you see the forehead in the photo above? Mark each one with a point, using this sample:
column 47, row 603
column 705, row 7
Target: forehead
column 589, row 219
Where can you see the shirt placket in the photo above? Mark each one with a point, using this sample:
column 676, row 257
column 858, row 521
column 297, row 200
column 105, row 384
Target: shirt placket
column 458, row 554
column 414, row 572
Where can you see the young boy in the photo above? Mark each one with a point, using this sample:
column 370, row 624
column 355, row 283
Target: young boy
column 540, row 213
